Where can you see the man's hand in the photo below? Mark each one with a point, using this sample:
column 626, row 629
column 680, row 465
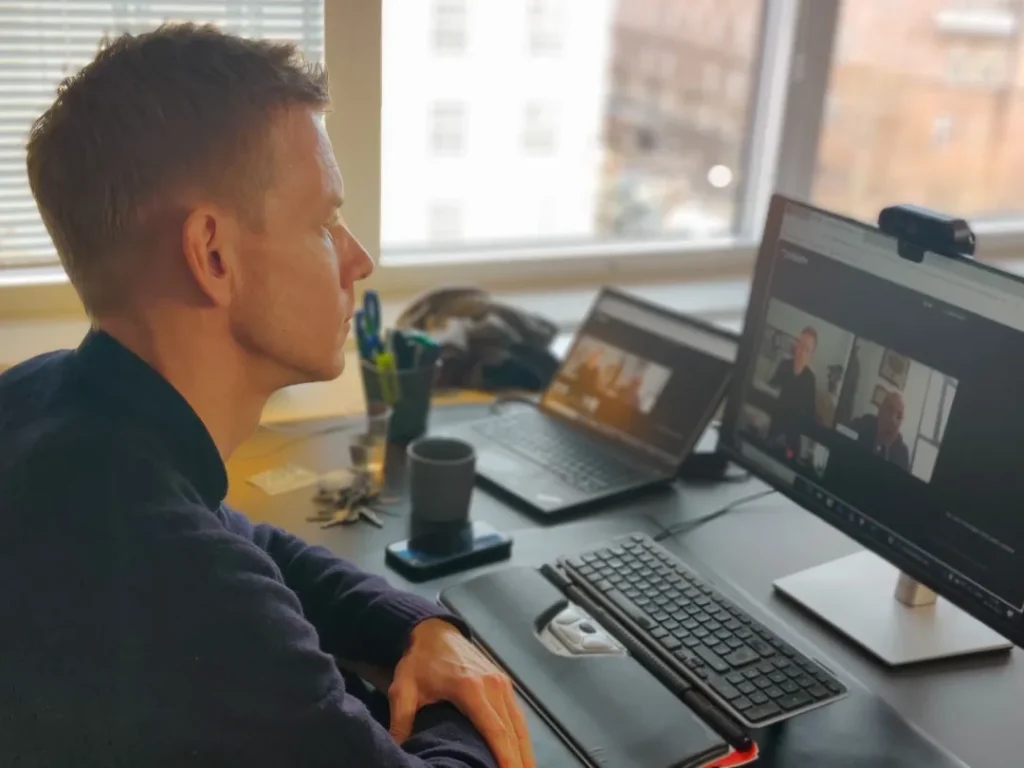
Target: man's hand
column 442, row 665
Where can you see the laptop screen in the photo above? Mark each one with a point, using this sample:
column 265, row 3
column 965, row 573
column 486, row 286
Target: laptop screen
column 643, row 375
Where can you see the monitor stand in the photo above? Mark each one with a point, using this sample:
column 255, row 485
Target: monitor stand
column 855, row 594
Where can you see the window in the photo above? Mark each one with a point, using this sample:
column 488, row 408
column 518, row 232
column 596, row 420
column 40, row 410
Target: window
column 544, row 21
column 603, row 114
column 45, row 42
column 447, row 129
column 900, row 105
column 540, row 130
column 444, row 222
column 450, row 26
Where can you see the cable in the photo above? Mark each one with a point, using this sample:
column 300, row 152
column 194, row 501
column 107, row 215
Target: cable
column 688, row 525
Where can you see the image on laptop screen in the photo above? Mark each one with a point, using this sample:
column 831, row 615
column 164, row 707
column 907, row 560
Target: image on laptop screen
column 642, row 375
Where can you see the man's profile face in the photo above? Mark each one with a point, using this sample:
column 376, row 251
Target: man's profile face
column 803, row 351
column 299, row 269
column 890, row 419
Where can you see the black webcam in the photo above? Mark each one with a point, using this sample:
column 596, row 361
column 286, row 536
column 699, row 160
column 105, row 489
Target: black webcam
column 918, row 230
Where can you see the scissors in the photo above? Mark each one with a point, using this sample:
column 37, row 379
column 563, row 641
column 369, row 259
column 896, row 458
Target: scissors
column 368, row 326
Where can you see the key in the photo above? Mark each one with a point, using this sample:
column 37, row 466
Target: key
column 629, row 608
column 712, row 659
column 723, row 688
column 762, row 712
column 793, row 701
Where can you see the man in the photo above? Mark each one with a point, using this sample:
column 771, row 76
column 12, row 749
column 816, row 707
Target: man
column 797, row 393
column 193, row 197
column 881, row 433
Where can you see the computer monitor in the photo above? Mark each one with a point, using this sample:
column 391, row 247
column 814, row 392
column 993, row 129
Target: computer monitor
column 887, row 397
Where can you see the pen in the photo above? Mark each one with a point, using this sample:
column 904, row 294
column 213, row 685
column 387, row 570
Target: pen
column 701, row 706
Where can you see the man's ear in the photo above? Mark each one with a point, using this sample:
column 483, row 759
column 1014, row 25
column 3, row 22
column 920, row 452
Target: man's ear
column 209, row 238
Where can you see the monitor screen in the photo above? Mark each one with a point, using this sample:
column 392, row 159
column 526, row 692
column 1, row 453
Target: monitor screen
column 643, row 375
column 888, row 398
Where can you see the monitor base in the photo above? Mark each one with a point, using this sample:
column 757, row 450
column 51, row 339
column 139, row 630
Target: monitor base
column 877, row 607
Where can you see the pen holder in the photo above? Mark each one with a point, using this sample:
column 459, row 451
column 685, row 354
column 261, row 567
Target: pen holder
column 409, row 412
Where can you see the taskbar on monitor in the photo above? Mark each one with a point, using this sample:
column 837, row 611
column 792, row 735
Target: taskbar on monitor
column 832, row 509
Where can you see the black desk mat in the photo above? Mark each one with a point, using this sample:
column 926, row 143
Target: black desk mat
column 860, row 731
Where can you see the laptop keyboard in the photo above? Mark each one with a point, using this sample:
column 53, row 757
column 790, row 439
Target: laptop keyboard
column 563, row 452
column 702, row 635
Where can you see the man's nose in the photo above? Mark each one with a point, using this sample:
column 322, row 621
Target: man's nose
column 357, row 264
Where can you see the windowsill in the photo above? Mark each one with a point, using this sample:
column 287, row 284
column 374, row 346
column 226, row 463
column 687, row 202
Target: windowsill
column 714, row 300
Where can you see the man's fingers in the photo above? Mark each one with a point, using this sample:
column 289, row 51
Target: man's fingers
column 489, row 714
column 403, row 702
column 521, row 730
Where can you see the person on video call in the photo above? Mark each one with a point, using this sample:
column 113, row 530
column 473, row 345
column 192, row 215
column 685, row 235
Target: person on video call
column 881, row 433
column 797, row 387
column 194, row 200
column 587, row 378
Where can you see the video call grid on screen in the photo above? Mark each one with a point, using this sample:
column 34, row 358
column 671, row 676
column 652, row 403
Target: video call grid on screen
column 642, row 375
column 896, row 388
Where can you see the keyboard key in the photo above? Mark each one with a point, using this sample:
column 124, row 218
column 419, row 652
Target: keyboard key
column 743, row 633
column 736, row 678
column 713, row 659
column 742, row 656
column 804, row 682
column 766, row 668
column 773, row 692
column 721, row 649
column 741, row 704
column 778, row 678
column 817, row 692
column 723, row 688
column 589, row 557
column 762, row 712
column 700, row 632
column 690, row 624
column 781, row 663
column 789, row 686
column 734, row 643
column 794, row 701
column 691, row 641
column 628, row 607
column 758, row 698
column 604, row 585
column 669, row 643
column 761, row 647
column 747, row 688
column 751, row 673
column 712, row 626
column 657, row 633
column 670, row 624
column 834, row 687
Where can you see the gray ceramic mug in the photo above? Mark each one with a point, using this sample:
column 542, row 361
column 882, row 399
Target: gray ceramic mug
column 441, row 474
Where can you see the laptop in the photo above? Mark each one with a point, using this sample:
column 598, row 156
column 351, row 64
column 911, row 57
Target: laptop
column 636, row 391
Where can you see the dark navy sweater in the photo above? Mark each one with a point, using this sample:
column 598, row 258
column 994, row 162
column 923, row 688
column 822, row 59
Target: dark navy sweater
column 145, row 624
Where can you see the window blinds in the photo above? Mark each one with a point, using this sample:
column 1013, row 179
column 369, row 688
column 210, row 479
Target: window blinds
column 44, row 41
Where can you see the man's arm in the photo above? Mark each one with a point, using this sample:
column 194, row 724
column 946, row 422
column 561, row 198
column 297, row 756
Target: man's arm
column 358, row 616
column 241, row 679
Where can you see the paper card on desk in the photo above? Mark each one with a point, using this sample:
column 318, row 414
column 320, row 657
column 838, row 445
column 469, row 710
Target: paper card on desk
column 289, row 477
column 735, row 759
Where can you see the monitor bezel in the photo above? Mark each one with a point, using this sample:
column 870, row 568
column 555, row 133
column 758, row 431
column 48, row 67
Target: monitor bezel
column 729, row 444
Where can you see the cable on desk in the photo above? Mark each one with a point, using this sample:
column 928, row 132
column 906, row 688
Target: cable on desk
column 688, row 525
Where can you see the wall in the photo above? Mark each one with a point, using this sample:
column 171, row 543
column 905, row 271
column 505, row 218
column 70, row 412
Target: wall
column 914, row 393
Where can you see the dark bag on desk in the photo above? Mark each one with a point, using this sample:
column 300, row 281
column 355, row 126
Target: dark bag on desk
column 486, row 344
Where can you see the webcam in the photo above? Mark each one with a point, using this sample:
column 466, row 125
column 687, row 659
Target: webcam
column 918, row 229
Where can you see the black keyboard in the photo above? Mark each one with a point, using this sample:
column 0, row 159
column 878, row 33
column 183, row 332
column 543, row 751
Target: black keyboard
column 702, row 635
column 564, row 452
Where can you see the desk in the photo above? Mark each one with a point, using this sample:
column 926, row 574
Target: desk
column 970, row 707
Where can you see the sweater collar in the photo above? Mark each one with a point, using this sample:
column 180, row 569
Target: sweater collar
column 149, row 400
